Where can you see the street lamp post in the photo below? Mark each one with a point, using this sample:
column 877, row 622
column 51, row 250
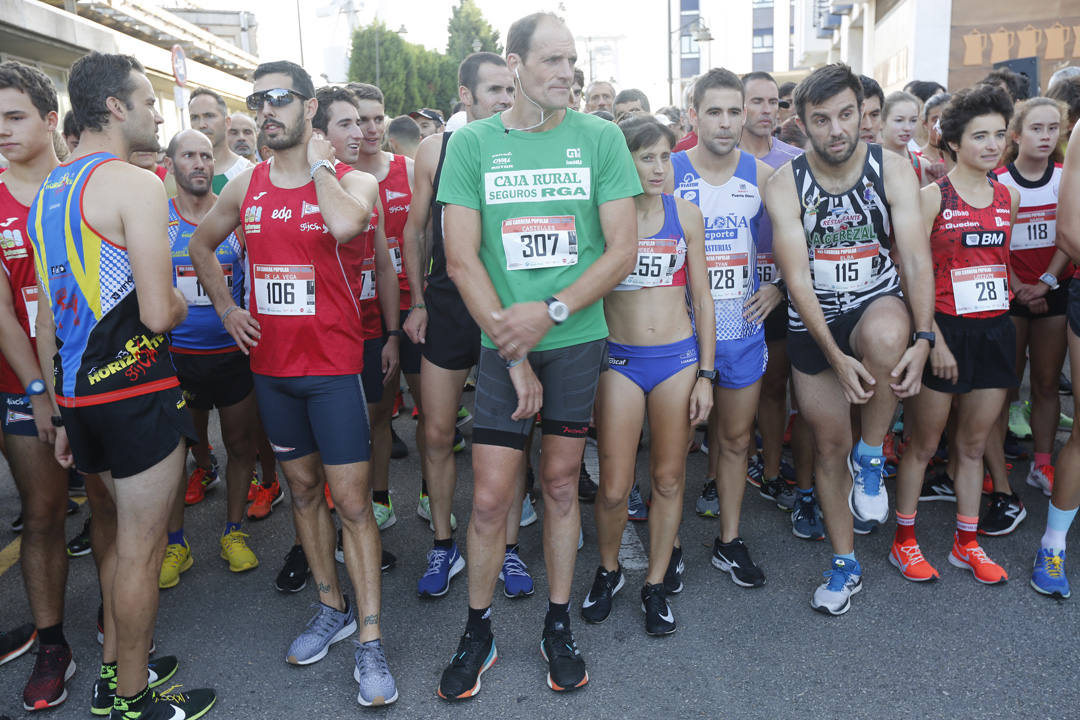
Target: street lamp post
column 701, row 34
column 378, row 31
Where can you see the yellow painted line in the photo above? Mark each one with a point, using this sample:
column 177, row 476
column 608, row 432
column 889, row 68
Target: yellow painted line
column 10, row 554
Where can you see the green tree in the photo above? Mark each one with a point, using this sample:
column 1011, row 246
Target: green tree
column 410, row 75
column 467, row 24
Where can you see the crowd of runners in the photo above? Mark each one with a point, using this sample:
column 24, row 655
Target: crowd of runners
column 861, row 276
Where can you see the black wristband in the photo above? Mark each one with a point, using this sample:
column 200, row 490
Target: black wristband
column 395, row 333
column 57, row 421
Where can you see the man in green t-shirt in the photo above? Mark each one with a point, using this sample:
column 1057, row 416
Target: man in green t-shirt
column 539, row 225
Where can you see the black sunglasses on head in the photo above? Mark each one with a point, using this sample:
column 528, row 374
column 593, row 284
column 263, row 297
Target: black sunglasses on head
column 277, row 97
column 783, row 103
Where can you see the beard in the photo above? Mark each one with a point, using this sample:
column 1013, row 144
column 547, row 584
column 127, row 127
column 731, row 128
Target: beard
column 822, row 149
column 290, row 137
column 185, row 183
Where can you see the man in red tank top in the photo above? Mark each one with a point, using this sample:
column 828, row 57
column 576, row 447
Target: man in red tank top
column 395, row 176
column 303, row 331
column 28, row 116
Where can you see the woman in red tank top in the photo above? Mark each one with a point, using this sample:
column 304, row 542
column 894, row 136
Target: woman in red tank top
column 969, row 218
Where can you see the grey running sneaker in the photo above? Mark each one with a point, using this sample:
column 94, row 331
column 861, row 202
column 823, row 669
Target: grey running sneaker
column 708, row 503
column 377, row 685
column 778, row 491
column 326, row 628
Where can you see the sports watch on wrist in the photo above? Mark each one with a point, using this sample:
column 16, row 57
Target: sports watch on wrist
column 322, row 163
column 36, row 387
column 1050, row 279
column 927, row 336
column 709, row 375
column 558, row 311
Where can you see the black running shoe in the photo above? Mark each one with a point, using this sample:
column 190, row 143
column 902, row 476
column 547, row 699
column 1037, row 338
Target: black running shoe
column 1065, row 385
column 596, row 606
column 1013, row 449
column 673, row 577
column 461, row 678
column 293, row 576
column 1002, row 515
column 734, row 559
column 658, row 617
column 79, row 545
column 16, row 641
column 173, row 704
column 158, row 671
column 72, row 507
column 76, row 484
column 938, row 487
column 388, row 562
column 398, row 449
column 17, row 523
column 586, row 488
column 566, row 667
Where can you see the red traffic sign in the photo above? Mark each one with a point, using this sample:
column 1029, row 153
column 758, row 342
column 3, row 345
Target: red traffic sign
column 179, row 65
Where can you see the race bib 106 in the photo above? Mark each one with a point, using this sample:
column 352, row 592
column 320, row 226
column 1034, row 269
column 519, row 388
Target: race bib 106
column 845, row 269
column 981, row 288
column 285, row 289
column 539, row 242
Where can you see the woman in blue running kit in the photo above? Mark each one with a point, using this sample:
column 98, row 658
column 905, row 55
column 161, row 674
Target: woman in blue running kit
column 653, row 361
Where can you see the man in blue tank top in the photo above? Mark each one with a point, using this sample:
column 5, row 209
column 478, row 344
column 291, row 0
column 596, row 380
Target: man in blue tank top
column 726, row 184
column 213, row 372
column 836, row 212
column 100, row 223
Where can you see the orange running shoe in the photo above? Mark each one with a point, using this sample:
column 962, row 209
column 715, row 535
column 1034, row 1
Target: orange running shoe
column 974, row 558
column 196, row 487
column 889, row 449
column 908, row 559
column 329, row 500
column 253, row 488
column 265, row 500
column 988, row 484
column 398, row 402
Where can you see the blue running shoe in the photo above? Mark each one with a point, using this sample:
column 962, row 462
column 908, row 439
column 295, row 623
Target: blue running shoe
column 515, row 576
column 862, row 527
column 377, row 686
column 842, row 580
column 806, row 518
column 327, row 627
column 442, row 566
column 528, row 512
column 755, row 470
column 868, row 499
column 636, row 506
column 1048, row 575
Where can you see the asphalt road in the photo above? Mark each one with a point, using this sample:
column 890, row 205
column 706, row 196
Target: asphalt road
column 951, row 649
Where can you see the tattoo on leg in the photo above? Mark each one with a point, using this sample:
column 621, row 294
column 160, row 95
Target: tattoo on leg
column 371, row 619
column 324, row 588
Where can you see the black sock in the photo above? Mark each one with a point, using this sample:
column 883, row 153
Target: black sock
column 139, row 699
column 444, row 544
column 381, row 496
column 479, row 623
column 557, row 612
column 676, row 555
column 512, row 548
column 423, row 486
column 52, row 635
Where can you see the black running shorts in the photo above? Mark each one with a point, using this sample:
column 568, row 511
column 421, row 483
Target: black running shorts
column 985, row 352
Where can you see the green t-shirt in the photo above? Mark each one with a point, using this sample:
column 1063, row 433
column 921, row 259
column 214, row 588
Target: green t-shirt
column 538, row 194
column 217, row 184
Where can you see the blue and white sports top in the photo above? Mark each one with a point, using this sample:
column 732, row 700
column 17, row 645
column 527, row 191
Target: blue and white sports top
column 732, row 213
column 661, row 258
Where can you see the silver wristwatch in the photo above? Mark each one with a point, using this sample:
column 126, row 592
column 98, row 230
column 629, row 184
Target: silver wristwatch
column 322, row 163
column 1050, row 280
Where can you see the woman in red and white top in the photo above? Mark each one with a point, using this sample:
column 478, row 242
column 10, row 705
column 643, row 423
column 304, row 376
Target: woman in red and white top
column 1040, row 273
column 973, row 360
column 900, row 116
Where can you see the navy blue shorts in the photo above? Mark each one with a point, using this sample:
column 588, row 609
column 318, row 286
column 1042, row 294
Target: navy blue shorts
column 372, row 375
column 18, row 418
column 649, row 365
column 326, row 414
column 409, row 353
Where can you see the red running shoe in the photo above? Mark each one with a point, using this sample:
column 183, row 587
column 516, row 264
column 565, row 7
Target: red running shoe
column 265, row 500
column 46, row 686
